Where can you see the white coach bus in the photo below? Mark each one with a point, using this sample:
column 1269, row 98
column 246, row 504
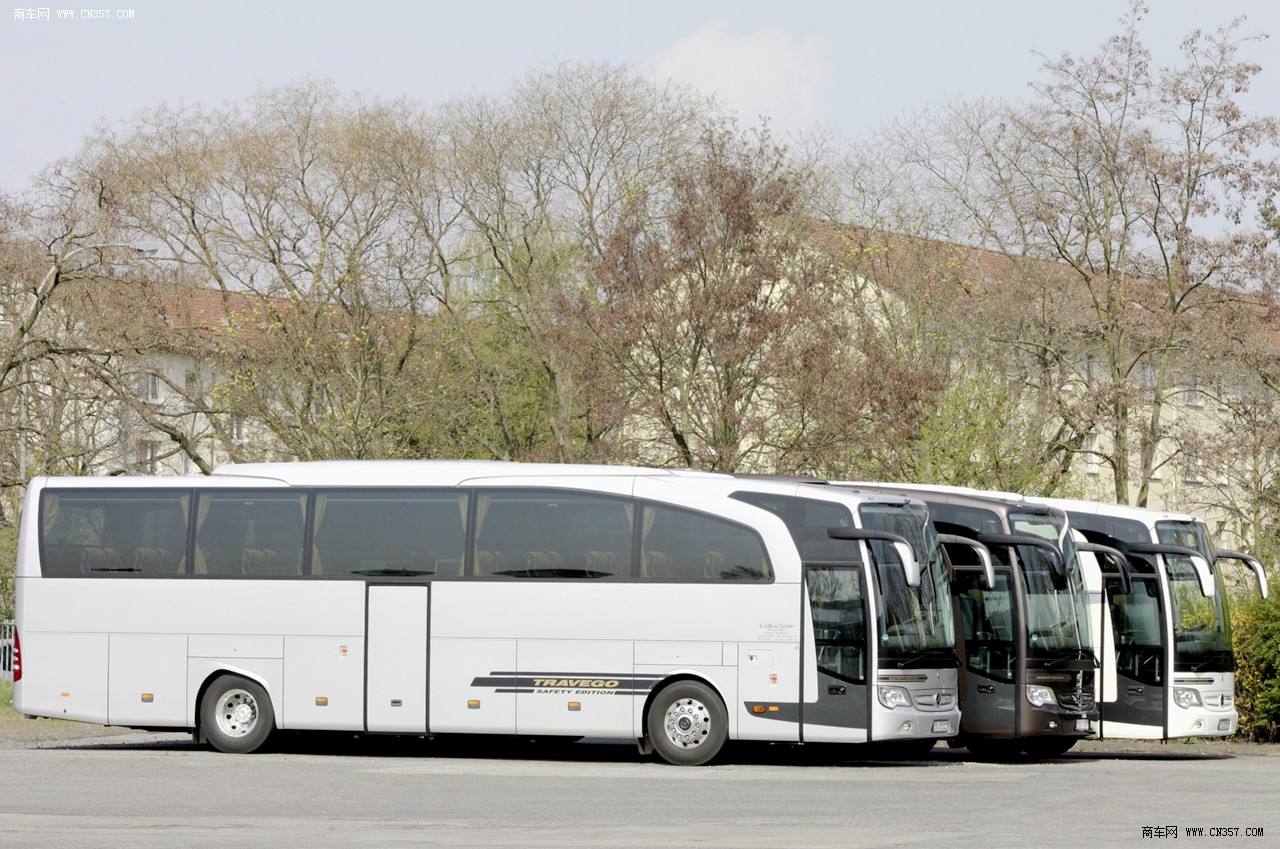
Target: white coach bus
column 1168, row 669
column 429, row 598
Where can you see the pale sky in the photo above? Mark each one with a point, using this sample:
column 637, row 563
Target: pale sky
column 849, row 65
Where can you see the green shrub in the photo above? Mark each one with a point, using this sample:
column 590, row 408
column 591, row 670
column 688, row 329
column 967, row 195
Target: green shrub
column 1255, row 631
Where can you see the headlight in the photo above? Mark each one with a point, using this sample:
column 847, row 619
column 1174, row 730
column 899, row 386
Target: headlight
column 1040, row 696
column 1185, row 697
column 894, row 697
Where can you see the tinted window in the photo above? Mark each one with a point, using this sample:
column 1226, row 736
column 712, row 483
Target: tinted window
column 1126, row 530
column 680, row 545
column 389, row 533
column 986, row 622
column 250, row 534
column 553, row 535
column 1139, row 639
column 808, row 521
column 982, row 521
column 90, row 533
column 839, row 621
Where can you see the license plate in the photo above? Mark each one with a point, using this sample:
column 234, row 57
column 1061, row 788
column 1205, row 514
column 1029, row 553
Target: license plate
column 1082, row 725
column 941, row 726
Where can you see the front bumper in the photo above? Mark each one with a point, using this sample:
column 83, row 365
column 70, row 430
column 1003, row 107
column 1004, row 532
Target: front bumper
column 934, row 711
column 913, row 724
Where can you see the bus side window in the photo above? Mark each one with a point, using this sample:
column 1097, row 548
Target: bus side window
column 551, row 534
column 681, row 545
column 406, row 534
column 113, row 533
column 250, row 534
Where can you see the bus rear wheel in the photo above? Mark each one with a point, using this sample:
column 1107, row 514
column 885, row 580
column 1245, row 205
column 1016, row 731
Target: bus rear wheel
column 687, row 723
column 236, row 715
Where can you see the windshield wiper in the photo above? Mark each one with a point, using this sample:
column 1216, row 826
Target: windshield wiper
column 1074, row 654
column 1216, row 657
column 383, row 572
column 926, row 657
column 553, row 573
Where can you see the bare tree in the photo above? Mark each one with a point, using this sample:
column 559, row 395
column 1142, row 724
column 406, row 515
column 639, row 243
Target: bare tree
column 1120, row 175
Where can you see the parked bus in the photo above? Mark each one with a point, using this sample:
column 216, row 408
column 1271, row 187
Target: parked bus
column 913, row 664
column 430, row 598
column 922, row 633
column 1026, row 678
column 1165, row 639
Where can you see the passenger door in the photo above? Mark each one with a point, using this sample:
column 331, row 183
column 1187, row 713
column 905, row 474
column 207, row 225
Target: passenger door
column 986, row 625
column 1137, row 624
column 837, row 603
column 397, row 651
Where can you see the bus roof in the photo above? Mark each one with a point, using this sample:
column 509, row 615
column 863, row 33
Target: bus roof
column 421, row 472
column 1119, row 511
column 949, row 494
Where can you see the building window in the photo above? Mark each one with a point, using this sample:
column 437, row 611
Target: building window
column 191, row 385
column 1091, row 456
column 1191, row 394
column 149, row 387
column 1194, row 467
column 149, row 456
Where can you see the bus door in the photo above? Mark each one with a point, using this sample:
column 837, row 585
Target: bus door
column 397, row 652
column 1137, row 631
column 985, row 621
column 837, row 601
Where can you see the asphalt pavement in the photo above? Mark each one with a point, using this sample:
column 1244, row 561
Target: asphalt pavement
column 140, row 790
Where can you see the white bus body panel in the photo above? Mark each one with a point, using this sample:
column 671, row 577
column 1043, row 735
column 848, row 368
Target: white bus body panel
column 147, row 680
column 323, row 683
column 457, row 706
column 601, row 711
column 64, row 675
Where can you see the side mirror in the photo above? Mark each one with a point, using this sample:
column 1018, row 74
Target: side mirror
column 1057, row 567
column 1123, row 569
column 984, row 554
column 906, row 554
column 1252, row 562
column 1204, row 574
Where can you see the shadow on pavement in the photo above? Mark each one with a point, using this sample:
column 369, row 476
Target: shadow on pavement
column 329, row 744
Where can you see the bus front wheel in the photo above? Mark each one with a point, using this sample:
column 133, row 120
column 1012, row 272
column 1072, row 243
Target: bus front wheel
column 236, row 715
column 687, row 723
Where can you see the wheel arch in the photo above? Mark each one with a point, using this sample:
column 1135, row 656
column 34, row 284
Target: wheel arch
column 222, row 671
column 675, row 678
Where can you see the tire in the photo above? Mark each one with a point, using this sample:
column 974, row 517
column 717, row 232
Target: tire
column 993, row 749
column 236, row 715
column 1048, row 747
column 687, row 723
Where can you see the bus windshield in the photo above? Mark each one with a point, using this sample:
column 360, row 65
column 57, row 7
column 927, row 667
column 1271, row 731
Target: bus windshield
column 1056, row 618
column 1201, row 626
column 912, row 620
